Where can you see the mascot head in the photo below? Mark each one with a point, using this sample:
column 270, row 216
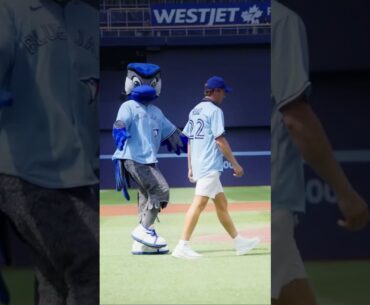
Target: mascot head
column 143, row 82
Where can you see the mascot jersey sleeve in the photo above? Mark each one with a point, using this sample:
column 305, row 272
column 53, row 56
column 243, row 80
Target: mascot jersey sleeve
column 148, row 127
column 290, row 79
column 49, row 63
column 205, row 124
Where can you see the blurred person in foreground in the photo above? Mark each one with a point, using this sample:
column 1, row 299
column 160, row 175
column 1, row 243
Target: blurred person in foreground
column 49, row 73
column 296, row 133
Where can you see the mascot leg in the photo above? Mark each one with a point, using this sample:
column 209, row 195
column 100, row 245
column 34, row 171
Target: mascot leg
column 153, row 196
column 147, row 216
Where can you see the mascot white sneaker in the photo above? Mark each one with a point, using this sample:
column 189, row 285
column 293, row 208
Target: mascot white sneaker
column 140, row 249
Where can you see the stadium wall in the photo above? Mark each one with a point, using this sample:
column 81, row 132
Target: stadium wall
column 184, row 72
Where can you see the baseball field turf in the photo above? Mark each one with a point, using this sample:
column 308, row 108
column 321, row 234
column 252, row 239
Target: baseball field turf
column 220, row 277
column 335, row 283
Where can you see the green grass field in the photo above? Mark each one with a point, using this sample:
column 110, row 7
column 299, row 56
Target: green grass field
column 220, row 277
column 340, row 282
column 20, row 282
column 332, row 281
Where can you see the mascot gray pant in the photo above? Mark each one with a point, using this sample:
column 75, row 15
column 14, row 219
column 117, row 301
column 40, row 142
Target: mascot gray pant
column 61, row 228
column 154, row 192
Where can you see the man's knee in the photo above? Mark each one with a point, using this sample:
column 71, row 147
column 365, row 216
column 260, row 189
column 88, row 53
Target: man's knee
column 200, row 203
column 221, row 208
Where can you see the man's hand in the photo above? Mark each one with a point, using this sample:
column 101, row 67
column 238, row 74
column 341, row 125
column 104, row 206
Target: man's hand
column 190, row 175
column 238, row 170
column 355, row 211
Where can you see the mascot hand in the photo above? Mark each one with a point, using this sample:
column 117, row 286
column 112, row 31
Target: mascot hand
column 175, row 143
column 184, row 140
column 120, row 134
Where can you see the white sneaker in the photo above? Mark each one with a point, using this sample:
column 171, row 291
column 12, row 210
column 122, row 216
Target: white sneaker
column 184, row 251
column 140, row 249
column 244, row 245
column 148, row 237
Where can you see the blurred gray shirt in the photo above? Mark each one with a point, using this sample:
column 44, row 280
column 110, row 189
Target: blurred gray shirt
column 290, row 79
column 49, row 63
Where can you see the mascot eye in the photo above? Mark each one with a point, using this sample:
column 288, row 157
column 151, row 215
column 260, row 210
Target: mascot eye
column 154, row 83
column 136, row 81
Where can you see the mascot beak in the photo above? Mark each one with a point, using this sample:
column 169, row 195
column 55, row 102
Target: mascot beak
column 144, row 93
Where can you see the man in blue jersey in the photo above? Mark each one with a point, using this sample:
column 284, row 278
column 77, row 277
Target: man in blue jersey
column 49, row 141
column 205, row 131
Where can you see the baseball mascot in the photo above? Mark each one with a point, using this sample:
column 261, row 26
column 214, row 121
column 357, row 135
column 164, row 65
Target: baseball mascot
column 139, row 131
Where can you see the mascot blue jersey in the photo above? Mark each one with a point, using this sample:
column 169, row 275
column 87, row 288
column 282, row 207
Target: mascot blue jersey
column 205, row 124
column 49, row 66
column 148, row 127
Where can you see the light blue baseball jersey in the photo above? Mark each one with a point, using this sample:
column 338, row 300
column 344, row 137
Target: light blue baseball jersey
column 49, row 62
column 290, row 79
column 205, row 124
column 148, row 128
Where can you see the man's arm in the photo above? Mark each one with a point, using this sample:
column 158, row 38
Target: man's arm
column 224, row 146
column 309, row 136
column 190, row 171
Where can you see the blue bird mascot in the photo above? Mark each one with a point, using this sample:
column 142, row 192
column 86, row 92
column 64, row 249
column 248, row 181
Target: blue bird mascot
column 139, row 131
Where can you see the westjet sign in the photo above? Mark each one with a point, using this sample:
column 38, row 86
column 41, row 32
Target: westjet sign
column 212, row 14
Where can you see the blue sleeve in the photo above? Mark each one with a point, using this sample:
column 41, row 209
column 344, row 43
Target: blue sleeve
column 167, row 128
column 125, row 114
column 217, row 123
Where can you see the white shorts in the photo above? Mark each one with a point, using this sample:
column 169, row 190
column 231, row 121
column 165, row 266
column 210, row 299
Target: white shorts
column 286, row 261
column 209, row 186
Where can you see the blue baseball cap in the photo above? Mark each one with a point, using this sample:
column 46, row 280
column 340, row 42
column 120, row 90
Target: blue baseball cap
column 217, row 82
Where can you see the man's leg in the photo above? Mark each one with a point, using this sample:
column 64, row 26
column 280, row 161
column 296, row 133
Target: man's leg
column 242, row 245
column 192, row 215
column 297, row 292
column 288, row 277
column 183, row 249
column 203, row 191
column 82, row 272
column 223, row 214
column 16, row 201
column 61, row 227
